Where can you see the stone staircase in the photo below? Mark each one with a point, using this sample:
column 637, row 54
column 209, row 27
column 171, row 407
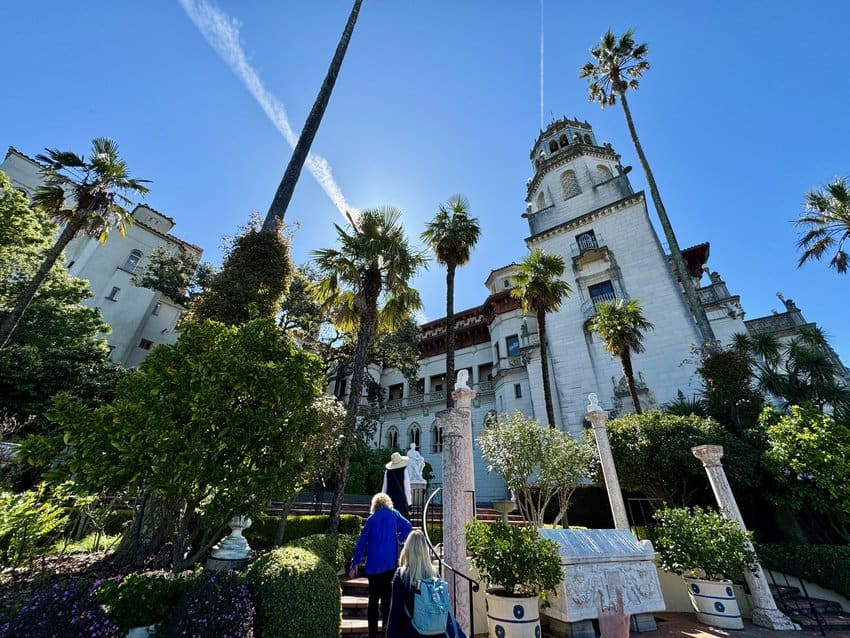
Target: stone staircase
column 805, row 611
column 355, row 600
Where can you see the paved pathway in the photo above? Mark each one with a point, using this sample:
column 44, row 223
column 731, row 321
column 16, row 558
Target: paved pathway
column 685, row 624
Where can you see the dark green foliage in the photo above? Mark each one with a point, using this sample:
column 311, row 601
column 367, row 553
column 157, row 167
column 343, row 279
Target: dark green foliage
column 366, row 473
column 141, row 599
column 692, row 540
column 217, row 605
column 729, row 395
column 29, row 523
column 335, row 549
column 179, row 277
column 296, row 593
column 826, row 565
column 264, row 526
column 251, row 283
column 515, row 559
column 117, row 521
column 652, row 452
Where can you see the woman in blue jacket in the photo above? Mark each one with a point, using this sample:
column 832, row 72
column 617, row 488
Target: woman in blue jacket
column 382, row 535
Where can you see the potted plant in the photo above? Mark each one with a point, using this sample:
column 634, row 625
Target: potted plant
column 708, row 551
column 520, row 569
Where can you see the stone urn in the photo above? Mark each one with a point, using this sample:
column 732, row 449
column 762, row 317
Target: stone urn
column 233, row 551
column 504, row 507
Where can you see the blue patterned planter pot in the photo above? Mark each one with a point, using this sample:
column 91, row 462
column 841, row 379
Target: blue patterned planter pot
column 714, row 602
column 509, row 617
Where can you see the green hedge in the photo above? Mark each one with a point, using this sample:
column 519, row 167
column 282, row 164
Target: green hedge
column 263, row 528
column 296, row 595
column 334, row 549
column 825, row 565
column 142, row 599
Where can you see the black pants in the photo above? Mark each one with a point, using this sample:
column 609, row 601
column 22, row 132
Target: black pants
column 380, row 587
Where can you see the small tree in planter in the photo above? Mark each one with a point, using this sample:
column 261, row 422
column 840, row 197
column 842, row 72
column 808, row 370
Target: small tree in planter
column 518, row 566
column 708, row 551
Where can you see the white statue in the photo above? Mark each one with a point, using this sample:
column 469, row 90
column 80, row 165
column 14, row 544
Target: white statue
column 593, row 402
column 416, row 465
column 462, row 379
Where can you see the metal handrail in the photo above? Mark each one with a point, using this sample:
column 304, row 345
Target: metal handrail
column 472, row 584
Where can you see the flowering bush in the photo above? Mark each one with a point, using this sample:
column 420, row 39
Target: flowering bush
column 63, row 610
column 217, row 605
column 139, row 600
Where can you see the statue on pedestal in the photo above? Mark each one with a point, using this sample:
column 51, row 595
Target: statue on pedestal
column 416, row 465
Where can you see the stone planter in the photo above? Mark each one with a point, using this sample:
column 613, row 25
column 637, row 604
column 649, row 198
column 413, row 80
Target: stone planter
column 512, row 617
column 714, row 602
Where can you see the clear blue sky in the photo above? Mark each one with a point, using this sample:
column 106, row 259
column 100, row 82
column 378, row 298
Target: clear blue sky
column 743, row 111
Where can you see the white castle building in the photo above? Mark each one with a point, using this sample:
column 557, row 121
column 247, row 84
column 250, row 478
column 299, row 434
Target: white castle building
column 140, row 318
column 581, row 205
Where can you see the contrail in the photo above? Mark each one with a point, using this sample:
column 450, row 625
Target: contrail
column 222, row 33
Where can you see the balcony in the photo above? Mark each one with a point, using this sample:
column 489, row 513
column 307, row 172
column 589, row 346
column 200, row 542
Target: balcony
column 586, row 242
column 423, row 401
column 588, row 308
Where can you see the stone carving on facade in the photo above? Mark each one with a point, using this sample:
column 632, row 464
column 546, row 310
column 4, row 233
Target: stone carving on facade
column 623, row 398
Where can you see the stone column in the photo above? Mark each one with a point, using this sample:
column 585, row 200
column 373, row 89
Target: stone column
column 765, row 612
column 457, row 491
column 597, row 417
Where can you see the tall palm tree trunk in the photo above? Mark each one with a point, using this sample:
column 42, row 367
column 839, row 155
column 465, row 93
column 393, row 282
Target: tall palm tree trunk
column 284, row 192
column 704, row 327
column 626, row 362
column 11, row 322
column 450, row 335
column 544, row 363
column 361, row 355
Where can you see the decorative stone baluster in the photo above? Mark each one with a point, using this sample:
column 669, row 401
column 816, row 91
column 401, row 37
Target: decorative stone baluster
column 765, row 612
column 233, row 551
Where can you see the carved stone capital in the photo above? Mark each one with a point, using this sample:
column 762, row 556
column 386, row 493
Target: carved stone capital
column 710, row 455
column 463, row 397
column 597, row 418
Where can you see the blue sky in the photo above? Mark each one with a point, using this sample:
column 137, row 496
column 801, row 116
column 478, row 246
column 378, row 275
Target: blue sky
column 743, row 111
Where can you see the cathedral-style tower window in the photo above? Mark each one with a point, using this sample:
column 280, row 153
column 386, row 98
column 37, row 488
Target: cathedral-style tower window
column 436, row 438
column 604, row 172
column 553, row 146
column 569, row 183
column 392, row 438
column 541, row 201
column 564, row 141
column 413, row 435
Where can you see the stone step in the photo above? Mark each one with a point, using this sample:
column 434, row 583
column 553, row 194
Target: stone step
column 354, row 586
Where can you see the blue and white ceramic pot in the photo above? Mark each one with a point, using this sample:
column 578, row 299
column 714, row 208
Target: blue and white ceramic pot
column 714, row 602
column 510, row 617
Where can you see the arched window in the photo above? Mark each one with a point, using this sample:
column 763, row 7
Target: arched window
column 541, row 201
column 436, row 438
column 392, row 438
column 133, row 260
column 564, row 141
column 553, row 146
column 604, row 172
column 413, row 435
column 570, row 184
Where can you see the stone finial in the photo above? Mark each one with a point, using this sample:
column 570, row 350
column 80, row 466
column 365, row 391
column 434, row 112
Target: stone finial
column 710, row 455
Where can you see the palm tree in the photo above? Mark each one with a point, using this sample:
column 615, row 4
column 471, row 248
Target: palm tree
column 451, row 235
column 99, row 185
column 620, row 325
column 286, row 188
column 828, row 218
column 538, row 285
column 373, row 265
column 617, row 66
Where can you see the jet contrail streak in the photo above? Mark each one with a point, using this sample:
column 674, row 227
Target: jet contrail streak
column 222, row 33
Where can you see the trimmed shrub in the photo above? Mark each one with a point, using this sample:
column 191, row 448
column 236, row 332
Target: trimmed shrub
column 335, row 549
column 296, row 594
column 139, row 600
column 63, row 610
column 264, row 526
column 217, row 605
column 826, row 565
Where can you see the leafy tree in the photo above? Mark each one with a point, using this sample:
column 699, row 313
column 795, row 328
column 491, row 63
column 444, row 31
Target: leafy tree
column 729, row 396
column 652, row 452
column 807, row 458
column 252, row 281
column 620, row 325
column 451, row 235
column 284, row 192
column 177, row 276
column 57, row 344
column 300, row 312
column 827, row 216
column 616, row 67
column 537, row 464
column 210, row 427
column 538, row 285
column 366, row 282
column 98, row 185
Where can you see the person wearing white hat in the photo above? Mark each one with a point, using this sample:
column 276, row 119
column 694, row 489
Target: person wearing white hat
column 397, row 482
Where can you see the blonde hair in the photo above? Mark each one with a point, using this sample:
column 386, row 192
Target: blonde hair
column 415, row 560
column 381, row 500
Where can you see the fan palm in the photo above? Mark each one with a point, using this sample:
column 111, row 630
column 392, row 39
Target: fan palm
column 451, row 235
column 366, row 281
column 99, row 187
column 828, row 218
column 538, row 286
column 617, row 66
column 620, row 325
column 286, row 188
